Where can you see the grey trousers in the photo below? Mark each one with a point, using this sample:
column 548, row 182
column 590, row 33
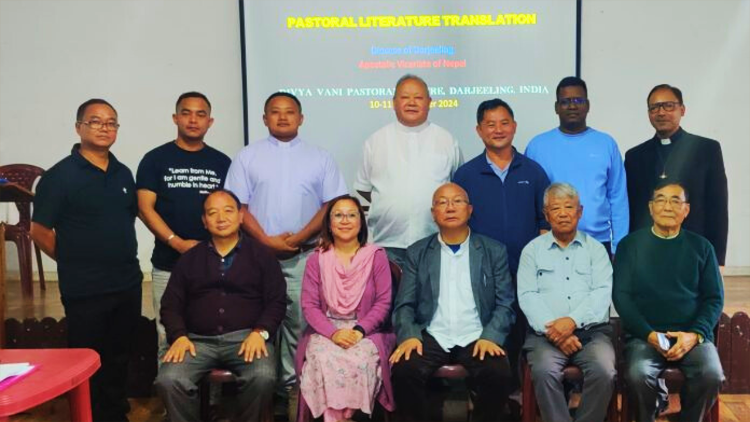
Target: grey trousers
column 596, row 360
column 703, row 379
column 159, row 280
column 177, row 383
column 293, row 323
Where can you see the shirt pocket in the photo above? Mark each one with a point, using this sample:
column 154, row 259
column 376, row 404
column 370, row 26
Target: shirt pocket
column 545, row 275
column 584, row 275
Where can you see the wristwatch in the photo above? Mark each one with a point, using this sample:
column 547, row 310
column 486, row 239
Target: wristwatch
column 263, row 333
column 700, row 338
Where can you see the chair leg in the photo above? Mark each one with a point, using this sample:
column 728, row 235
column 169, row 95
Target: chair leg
column 24, row 261
column 38, row 251
column 204, row 394
column 713, row 413
column 529, row 399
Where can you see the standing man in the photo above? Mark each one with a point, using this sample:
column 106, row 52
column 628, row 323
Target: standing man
column 506, row 189
column 172, row 181
column 587, row 159
column 84, row 218
column 669, row 294
column 403, row 162
column 565, row 289
column 673, row 154
column 225, row 299
column 454, row 305
column 284, row 184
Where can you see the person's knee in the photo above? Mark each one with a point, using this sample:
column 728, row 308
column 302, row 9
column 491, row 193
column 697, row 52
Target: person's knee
column 711, row 377
column 410, row 369
column 638, row 374
column 600, row 371
column 169, row 381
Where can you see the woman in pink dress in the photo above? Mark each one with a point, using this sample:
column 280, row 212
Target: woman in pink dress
column 342, row 357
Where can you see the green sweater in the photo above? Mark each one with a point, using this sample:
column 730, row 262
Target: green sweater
column 667, row 284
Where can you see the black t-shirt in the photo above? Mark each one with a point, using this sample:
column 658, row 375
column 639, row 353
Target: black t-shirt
column 181, row 180
column 93, row 214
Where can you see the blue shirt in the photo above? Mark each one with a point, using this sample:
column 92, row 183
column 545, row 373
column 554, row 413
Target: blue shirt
column 509, row 211
column 591, row 162
column 284, row 183
column 555, row 282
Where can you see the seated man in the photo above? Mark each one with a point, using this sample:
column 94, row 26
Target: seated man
column 454, row 305
column 224, row 299
column 565, row 288
column 669, row 294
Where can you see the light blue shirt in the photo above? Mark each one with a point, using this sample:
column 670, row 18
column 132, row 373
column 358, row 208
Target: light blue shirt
column 591, row 162
column 456, row 321
column 284, row 183
column 498, row 171
column 555, row 282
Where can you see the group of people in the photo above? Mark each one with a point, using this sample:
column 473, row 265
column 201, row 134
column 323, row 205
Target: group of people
column 265, row 264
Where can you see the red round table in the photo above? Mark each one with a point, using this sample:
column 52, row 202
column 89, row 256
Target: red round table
column 58, row 371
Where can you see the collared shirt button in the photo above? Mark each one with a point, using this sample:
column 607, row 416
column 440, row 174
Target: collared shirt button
column 567, row 278
column 568, row 297
column 567, row 258
column 221, row 310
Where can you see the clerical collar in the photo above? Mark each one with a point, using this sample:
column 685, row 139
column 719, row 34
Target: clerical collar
column 663, row 237
column 666, row 141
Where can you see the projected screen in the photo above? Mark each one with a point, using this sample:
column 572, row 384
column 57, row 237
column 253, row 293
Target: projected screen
column 342, row 59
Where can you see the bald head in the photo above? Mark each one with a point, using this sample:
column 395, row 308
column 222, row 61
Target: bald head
column 449, row 189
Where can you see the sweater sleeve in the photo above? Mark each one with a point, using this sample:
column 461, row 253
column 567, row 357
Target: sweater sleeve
column 381, row 275
column 311, row 301
column 173, row 303
column 623, row 293
column 711, row 292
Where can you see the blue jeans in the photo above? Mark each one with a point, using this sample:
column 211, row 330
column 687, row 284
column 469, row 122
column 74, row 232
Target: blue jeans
column 703, row 378
column 596, row 360
column 177, row 383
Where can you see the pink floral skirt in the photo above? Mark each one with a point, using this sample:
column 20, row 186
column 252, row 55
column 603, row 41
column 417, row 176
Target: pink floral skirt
column 338, row 378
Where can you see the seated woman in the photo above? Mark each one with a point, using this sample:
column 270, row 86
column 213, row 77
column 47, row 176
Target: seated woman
column 342, row 357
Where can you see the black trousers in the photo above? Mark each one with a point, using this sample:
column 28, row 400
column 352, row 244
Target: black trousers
column 106, row 323
column 489, row 381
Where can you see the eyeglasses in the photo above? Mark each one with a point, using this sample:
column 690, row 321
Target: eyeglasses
column 662, row 201
column 456, row 202
column 666, row 105
column 96, row 125
column 340, row 216
column 567, row 102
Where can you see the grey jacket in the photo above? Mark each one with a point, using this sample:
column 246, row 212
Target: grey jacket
column 491, row 284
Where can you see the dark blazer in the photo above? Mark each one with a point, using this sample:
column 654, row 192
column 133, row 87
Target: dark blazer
column 698, row 164
column 491, row 284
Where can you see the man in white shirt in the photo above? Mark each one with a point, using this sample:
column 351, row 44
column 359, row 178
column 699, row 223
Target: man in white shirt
column 404, row 162
column 454, row 305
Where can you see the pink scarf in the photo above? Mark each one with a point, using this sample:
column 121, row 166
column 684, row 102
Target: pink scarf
column 343, row 288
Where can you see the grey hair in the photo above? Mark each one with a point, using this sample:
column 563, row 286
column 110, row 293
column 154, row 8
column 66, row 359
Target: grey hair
column 560, row 190
column 408, row 77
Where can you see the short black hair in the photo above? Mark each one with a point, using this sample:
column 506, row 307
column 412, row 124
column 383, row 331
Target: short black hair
column 282, row 94
column 82, row 108
column 676, row 91
column 670, row 182
column 492, row 104
column 571, row 81
column 222, row 190
column 191, row 94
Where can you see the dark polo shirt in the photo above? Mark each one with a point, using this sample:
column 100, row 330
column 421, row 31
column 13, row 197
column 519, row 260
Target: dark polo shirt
column 93, row 214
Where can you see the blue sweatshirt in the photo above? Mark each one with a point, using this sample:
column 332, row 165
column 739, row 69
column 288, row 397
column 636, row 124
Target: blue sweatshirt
column 591, row 162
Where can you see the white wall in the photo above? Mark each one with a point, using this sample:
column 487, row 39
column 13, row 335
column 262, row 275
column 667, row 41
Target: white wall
column 702, row 47
column 141, row 55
